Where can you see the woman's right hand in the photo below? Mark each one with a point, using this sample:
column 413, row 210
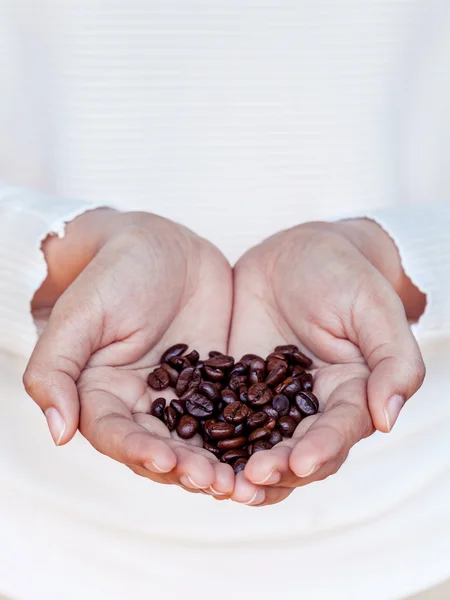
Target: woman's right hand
column 151, row 284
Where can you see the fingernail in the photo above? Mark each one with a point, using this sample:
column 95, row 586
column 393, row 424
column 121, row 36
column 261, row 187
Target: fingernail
column 257, row 498
column 308, row 472
column 215, row 492
column 393, row 407
column 273, row 477
column 188, row 482
column 153, row 466
column 56, row 424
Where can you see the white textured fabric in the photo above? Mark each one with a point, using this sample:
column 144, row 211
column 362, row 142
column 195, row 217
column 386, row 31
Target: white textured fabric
column 236, row 119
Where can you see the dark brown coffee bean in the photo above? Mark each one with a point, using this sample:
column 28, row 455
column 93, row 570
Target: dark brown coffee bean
column 221, row 418
column 275, row 356
column 307, row 403
column 259, row 394
column 231, row 455
column 275, row 437
column 281, row 404
column 159, row 379
column 270, row 411
column 193, row 357
column 172, row 373
column 220, row 406
column 228, row 396
column 208, row 389
column 271, row 424
column 179, row 406
column 301, row 359
column 238, row 369
column 189, row 393
column 173, row 351
column 287, row 350
column 212, row 374
column 295, row 413
column 189, row 377
column 287, row 426
column 187, row 427
column 232, row 443
column 158, row 407
column 199, row 406
column 259, row 434
column 289, row 387
column 296, row 371
column 239, row 429
column 216, row 430
column 236, row 382
column 307, row 382
column 236, row 412
column 211, row 448
column 170, row 417
column 276, row 374
column 247, row 359
column 222, row 361
column 239, row 465
column 243, row 394
column 214, row 353
column 179, row 363
column 259, row 445
column 257, row 420
column 256, row 371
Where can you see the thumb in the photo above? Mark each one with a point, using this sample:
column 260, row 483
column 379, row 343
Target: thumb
column 391, row 351
column 56, row 363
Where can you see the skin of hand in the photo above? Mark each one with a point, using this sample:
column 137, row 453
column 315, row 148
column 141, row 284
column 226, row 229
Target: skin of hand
column 122, row 287
column 339, row 292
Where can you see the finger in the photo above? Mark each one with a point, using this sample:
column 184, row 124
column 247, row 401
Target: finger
column 274, row 495
column 193, row 470
column 224, row 481
column 391, row 351
column 246, row 492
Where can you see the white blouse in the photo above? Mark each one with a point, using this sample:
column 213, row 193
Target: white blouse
column 236, row 119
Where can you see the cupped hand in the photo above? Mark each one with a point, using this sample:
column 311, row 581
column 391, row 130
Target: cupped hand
column 315, row 286
column 151, row 284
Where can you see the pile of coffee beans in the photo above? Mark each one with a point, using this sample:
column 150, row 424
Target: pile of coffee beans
column 238, row 408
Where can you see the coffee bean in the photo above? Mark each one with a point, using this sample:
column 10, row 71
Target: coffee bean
column 214, row 353
column 243, row 394
column 307, row 403
column 296, row 371
column 289, row 387
column 187, row 427
column 179, row 363
column 232, row 443
column 276, row 374
column 275, row 356
column 287, row 350
column 158, row 407
column 259, row 445
column 172, row 373
column 295, row 413
column 239, row 465
column 256, row 371
column 239, row 429
column 189, row 377
column 217, row 430
column 213, row 374
column 247, row 359
column 236, row 382
column 179, row 406
column 231, row 455
column 270, row 411
column 159, row 379
column 257, row 420
column 173, row 351
column 220, row 362
column 259, row 394
column 275, row 437
column 189, row 393
column 211, row 448
column 238, row 369
column 301, row 359
column 281, row 404
column 307, row 382
column 193, row 357
column 271, row 424
column 287, row 426
column 208, row 389
column 259, row 434
column 236, row 412
column 220, row 406
column 228, row 396
column 199, row 406
column 170, row 417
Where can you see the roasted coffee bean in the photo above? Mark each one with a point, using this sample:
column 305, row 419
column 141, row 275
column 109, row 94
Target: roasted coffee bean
column 159, row 379
column 172, row 373
column 187, row 427
column 296, row 371
column 259, row 434
column 208, row 389
column 220, row 406
column 301, row 359
column 170, row 417
column 173, row 351
column 259, row 445
column 236, row 382
column 286, row 349
column 216, row 430
column 221, row 418
column 307, row 382
column 257, row 420
column 222, row 361
column 236, row 412
column 275, row 356
column 289, row 387
column 228, row 396
column 247, row 359
column 276, row 374
column 271, row 424
column 238, row 369
column 239, row 465
column 232, row 443
column 256, row 371
column 243, row 394
column 213, row 374
column 211, row 448
column 281, row 404
column 307, row 403
column 189, row 377
column 214, row 353
column 259, row 394
column 287, row 426
column 158, row 407
column 189, row 393
column 295, row 413
column 193, row 357
column 275, row 437
column 199, row 406
column 179, row 363
column 239, row 429
column 179, row 406
column 231, row 455
column 270, row 411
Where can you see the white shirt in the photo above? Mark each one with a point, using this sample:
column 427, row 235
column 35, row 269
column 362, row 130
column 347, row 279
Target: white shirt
column 236, row 119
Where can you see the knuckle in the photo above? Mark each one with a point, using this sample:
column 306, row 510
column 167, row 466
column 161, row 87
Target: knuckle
column 32, row 381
